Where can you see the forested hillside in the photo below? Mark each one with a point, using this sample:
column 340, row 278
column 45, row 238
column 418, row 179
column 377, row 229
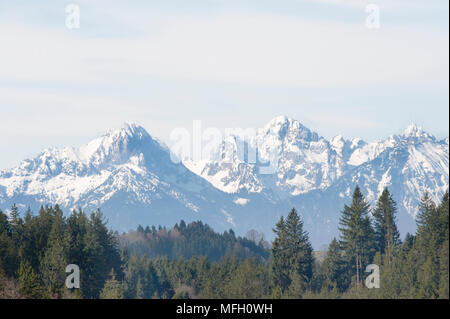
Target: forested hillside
column 186, row 241
column 192, row 261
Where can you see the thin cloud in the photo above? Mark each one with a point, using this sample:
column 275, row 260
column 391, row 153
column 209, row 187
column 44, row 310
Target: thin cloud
column 246, row 49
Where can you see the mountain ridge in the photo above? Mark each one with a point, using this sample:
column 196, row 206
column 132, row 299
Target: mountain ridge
column 131, row 176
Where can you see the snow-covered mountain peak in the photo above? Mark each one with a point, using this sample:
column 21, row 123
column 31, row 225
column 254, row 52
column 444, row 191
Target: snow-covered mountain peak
column 280, row 120
column 123, row 161
column 414, row 131
column 282, row 126
column 128, row 131
column 115, row 145
column 412, row 135
column 129, row 144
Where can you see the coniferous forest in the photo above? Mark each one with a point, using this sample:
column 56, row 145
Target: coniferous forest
column 192, row 261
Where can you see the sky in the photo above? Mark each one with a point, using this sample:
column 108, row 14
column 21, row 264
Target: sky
column 228, row 63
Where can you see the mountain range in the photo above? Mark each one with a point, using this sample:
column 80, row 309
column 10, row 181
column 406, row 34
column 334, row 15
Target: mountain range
column 248, row 182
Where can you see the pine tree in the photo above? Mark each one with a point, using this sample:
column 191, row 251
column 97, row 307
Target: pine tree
column 427, row 248
column 426, row 207
column 444, row 271
column 291, row 252
column 77, row 225
column 444, row 241
column 386, row 232
column 14, row 216
column 428, row 280
column 100, row 255
column 333, row 268
column 29, row 282
column 112, row 289
column 300, row 248
column 297, row 286
column 165, row 288
column 53, row 267
column 151, row 280
column 9, row 260
column 280, row 258
column 248, row 281
column 5, row 227
column 16, row 227
column 442, row 231
column 53, row 263
column 357, row 235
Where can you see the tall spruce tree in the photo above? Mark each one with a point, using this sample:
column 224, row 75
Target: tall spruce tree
column 291, row 253
column 16, row 226
column 54, row 261
column 386, row 232
column 299, row 246
column 9, row 260
column 427, row 209
column 333, row 268
column 357, row 235
column 427, row 248
column 444, row 255
column 442, row 233
column 101, row 255
column 280, row 258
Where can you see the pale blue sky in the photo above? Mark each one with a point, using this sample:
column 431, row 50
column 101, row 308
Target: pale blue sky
column 229, row 63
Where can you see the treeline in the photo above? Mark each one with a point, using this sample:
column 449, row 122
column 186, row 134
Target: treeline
column 418, row 267
column 35, row 251
column 191, row 261
column 189, row 240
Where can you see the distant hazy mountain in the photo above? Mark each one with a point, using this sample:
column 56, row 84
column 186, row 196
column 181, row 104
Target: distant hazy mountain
column 131, row 177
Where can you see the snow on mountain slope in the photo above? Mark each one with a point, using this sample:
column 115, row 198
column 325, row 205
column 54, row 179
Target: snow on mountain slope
column 368, row 152
column 302, row 160
column 408, row 169
column 227, row 169
column 419, row 161
column 410, row 163
column 131, row 177
column 346, row 148
column 126, row 160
